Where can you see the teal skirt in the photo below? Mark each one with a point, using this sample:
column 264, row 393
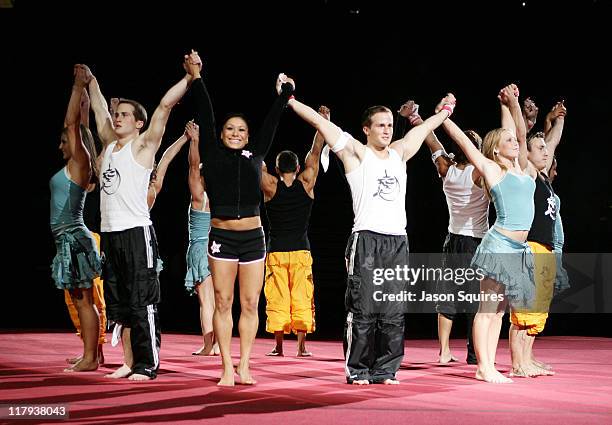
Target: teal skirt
column 508, row 262
column 77, row 262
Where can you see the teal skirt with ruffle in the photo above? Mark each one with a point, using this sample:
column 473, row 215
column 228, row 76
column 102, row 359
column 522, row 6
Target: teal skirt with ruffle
column 77, row 261
column 197, row 264
column 510, row 263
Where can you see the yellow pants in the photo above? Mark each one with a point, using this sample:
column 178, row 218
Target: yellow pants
column 98, row 299
column 289, row 292
column 544, row 274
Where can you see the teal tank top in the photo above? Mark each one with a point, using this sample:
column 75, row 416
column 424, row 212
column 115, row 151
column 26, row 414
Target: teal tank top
column 67, row 203
column 199, row 225
column 513, row 201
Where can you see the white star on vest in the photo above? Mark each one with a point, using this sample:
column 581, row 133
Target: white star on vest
column 246, row 153
column 215, row 247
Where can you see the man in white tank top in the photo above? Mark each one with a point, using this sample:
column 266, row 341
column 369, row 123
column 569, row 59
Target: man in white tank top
column 129, row 246
column 376, row 173
column 468, row 210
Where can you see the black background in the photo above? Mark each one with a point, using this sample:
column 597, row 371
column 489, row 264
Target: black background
column 346, row 55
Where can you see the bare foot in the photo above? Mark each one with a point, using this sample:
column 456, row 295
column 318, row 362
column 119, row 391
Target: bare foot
column 204, row 351
column 360, row 382
column 227, row 379
column 447, row 358
column 73, row 360
column 83, row 366
column 276, row 352
column 492, row 376
column 303, row 353
column 216, row 350
column 523, row 371
column 245, row 376
column 139, row 377
column 122, row 372
column 540, row 371
column 391, row 382
column 541, row 365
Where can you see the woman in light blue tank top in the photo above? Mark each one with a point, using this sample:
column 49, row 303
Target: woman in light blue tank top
column 503, row 258
column 198, row 278
column 77, row 261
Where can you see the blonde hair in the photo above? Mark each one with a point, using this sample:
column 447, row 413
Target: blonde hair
column 489, row 145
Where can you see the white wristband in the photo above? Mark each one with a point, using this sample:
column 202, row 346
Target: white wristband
column 341, row 142
column 437, row 154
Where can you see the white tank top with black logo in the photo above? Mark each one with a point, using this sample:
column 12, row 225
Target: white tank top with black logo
column 123, row 190
column 468, row 206
column 378, row 187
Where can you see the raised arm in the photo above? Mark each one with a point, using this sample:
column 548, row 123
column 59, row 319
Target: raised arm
column 153, row 135
column 409, row 112
column 84, row 106
column 311, row 163
column 104, row 121
column 530, row 113
column 348, row 150
column 265, row 135
column 204, row 114
column 487, row 168
column 512, row 119
column 553, row 130
column 166, row 159
column 196, row 188
column 79, row 165
column 409, row 145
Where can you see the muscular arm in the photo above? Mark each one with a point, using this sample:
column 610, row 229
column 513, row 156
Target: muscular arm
column 555, row 121
column 104, row 121
column 153, row 135
column 408, row 113
column 352, row 152
column 311, row 163
column 268, row 183
column 409, row 145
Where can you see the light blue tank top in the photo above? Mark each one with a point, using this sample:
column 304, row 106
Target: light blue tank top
column 199, row 224
column 67, row 203
column 513, row 201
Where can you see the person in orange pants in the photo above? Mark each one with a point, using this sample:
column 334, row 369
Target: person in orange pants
column 538, row 155
column 98, row 298
column 289, row 286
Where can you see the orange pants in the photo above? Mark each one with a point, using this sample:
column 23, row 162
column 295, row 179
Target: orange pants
column 289, row 291
column 98, row 299
column 545, row 272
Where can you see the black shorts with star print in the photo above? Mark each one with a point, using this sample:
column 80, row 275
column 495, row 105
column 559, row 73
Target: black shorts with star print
column 244, row 246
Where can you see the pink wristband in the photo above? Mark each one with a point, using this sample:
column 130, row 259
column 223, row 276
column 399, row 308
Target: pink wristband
column 448, row 107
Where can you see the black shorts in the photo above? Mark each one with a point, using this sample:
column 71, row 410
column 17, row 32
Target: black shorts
column 458, row 252
column 244, row 246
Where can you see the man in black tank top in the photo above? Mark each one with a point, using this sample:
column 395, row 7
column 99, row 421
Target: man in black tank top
column 289, row 284
column 527, row 324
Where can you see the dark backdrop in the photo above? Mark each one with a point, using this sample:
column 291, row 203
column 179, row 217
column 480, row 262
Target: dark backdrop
column 347, row 55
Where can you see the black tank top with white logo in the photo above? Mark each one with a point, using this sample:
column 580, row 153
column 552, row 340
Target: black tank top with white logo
column 543, row 226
